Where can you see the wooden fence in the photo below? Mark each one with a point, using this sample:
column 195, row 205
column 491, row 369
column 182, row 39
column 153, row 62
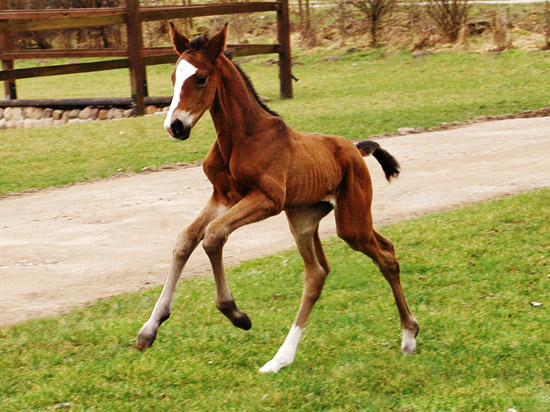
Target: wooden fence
column 135, row 57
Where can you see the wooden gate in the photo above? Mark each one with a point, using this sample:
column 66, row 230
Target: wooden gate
column 134, row 57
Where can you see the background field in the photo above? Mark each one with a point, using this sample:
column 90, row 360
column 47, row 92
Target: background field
column 469, row 275
column 359, row 95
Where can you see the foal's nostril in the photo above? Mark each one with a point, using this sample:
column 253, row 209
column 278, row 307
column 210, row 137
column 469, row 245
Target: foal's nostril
column 177, row 128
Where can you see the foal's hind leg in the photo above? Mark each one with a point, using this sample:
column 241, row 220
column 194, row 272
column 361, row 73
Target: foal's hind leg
column 354, row 225
column 304, row 225
column 381, row 250
column 187, row 241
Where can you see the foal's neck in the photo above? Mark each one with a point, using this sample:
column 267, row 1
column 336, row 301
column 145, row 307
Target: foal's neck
column 236, row 113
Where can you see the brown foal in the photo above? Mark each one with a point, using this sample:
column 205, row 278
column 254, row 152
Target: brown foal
column 258, row 167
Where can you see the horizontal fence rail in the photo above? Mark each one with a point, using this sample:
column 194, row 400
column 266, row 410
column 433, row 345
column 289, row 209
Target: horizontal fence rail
column 136, row 58
column 239, row 51
column 31, row 20
column 157, row 56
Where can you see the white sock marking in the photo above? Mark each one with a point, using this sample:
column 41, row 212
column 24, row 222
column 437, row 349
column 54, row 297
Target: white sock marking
column 286, row 353
column 408, row 343
column 184, row 71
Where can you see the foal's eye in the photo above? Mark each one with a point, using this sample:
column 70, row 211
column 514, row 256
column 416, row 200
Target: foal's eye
column 201, row 81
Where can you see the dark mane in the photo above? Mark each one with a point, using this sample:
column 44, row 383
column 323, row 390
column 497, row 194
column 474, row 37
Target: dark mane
column 251, row 89
column 199, row 42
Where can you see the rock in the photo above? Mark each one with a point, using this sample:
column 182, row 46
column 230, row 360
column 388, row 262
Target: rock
column 8, row 113
column 85, row 113
column 422, row 53
column 1, row 113
column 11, row 124
column 17, row 113
column 150, row 109
column 65, row 115
column 111, row 113
column 57, row 114
column 28, row 123
column 59, row 122
column 73, row 114
column 102, row 114
column 264, row 99
column 165, row 109
column 34, row 113
column 406, row 130
column 47, row 113
column 119, row 114
column 94, row 113
column 128, row 113
column 3, row 124
column 37, row 113
column 48, row 121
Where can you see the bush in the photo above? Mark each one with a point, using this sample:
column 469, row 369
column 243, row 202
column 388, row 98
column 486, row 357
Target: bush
column 375, row 11
column 449, row 16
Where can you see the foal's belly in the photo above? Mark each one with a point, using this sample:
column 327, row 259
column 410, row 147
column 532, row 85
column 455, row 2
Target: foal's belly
column 312, row 182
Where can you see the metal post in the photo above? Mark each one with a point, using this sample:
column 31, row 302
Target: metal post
column 285, row 60
column 135, row 45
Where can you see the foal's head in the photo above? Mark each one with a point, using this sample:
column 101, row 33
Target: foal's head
column 194, row 80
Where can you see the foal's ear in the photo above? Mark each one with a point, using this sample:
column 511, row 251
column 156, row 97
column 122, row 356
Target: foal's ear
column 216, row 44
column 181, row 43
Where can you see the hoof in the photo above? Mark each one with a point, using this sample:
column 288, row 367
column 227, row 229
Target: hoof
column 145, row 340
column 242, row 321
column 274, row 365
column 408, row 344
column 236, row 316
column 270, row 367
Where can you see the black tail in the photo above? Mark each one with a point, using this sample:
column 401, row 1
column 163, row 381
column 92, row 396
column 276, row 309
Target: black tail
column 387, row 161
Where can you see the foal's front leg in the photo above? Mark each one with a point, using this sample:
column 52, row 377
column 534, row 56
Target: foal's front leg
column 187, row 241
column 252, row 208
column 304, row 225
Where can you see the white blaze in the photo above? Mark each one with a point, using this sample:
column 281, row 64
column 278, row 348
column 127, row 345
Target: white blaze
column 184, row 71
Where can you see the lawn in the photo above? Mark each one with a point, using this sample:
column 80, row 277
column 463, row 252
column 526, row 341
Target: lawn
column 469, row 275
column 361, row 94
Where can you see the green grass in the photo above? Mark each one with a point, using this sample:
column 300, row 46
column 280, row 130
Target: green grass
column 469, row 275
column 357, row 96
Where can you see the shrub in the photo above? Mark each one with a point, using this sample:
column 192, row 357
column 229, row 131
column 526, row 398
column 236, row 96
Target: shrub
column 449, row 16
column 375, row 12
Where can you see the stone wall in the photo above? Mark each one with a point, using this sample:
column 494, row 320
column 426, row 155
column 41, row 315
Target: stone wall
column 25, row 117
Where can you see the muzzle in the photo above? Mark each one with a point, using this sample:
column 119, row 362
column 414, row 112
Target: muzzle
column 179, row 130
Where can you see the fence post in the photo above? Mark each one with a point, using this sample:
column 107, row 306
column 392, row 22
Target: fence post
column 285, row 60
column 134, row 49
column 6, row 43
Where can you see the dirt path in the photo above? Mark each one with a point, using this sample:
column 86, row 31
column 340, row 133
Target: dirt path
column 65, row 247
